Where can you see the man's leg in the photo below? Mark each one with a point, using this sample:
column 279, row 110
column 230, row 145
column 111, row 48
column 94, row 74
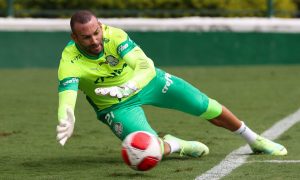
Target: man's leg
column 229, row 121
column 166, row 89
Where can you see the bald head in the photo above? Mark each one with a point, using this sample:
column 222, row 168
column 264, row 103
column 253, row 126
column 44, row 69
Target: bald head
column 81, row 17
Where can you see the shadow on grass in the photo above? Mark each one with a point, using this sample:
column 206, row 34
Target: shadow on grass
column 72, row 161
column 139, row 175
column 62, row 166
column 5, row 134
column 81, row 161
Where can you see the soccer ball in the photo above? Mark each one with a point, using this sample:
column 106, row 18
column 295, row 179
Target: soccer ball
column 141, row 150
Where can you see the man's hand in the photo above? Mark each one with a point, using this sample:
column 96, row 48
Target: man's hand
column 65, row 127
column 124, row 90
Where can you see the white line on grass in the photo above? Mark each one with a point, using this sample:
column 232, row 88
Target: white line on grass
column 239, row 156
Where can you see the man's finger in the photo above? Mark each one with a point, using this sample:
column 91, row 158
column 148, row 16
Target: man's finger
column 61, row 136
column 113, row 93
column 60, row 129
column 102, row 91
column 63, row 141
column 120, row 95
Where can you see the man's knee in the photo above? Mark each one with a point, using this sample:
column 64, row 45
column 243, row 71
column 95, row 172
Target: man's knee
column 213, row 110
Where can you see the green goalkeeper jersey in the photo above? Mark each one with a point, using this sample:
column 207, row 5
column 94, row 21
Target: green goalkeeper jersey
column 121, row 60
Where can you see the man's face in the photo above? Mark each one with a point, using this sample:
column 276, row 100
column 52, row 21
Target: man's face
column 88, row 36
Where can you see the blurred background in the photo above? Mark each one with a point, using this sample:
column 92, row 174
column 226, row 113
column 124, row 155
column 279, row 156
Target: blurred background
column 207, row 32
column 152, row 8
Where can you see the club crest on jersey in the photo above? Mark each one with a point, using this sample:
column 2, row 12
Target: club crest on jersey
column 111, row 60
column 118, row 127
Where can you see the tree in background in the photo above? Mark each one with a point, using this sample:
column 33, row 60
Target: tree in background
column 3, row 7
column 154, row 8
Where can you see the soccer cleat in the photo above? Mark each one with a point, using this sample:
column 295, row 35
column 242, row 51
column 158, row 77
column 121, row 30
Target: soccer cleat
column 189, row 148
column 265, row 146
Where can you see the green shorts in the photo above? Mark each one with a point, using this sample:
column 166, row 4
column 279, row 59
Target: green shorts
column 165, row 91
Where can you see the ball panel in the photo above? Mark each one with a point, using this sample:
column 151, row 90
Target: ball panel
column 147, row 163
column 141, row 140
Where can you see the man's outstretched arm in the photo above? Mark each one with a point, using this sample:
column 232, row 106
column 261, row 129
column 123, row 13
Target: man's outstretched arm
column 67, row 99
column 66, row 116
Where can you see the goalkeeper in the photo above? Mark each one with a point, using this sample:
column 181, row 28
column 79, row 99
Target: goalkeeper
column 118, row 78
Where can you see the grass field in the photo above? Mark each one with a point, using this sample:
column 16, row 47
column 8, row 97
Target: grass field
column 259, row 95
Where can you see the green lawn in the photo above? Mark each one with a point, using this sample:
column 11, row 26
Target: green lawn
column 259, row 95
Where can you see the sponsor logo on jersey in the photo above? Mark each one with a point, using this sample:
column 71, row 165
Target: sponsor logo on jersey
column 111, row 60
column 168, row 83
column 122, row 48
column 115, row 73
column 76, row 58
column 70, row 81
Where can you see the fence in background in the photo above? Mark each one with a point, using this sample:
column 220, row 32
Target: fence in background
column 173, row 42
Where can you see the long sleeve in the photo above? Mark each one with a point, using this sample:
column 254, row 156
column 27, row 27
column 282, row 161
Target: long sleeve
column 144, row 69
column 66, row 99
column 68, row 76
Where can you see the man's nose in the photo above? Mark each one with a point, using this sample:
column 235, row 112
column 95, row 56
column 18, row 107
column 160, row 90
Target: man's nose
column 94, row 40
